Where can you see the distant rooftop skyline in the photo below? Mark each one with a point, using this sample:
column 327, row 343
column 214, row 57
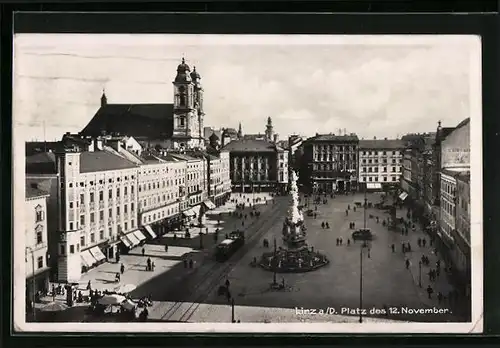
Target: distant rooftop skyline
column 384, row 86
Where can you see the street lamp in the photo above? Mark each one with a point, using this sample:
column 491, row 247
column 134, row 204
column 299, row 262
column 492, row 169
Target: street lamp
column 232, row 310
column 361, row 283
column 275, row 262
column 33, row 289
column 420, row 273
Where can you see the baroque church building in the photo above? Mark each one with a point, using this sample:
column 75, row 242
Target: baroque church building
column 176, row 126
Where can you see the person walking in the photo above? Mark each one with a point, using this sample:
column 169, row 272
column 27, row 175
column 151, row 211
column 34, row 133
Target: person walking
column 143, row 251
column 393, row 247
column 122, row 268
column 148, row 264
column 429, row 291
column 323, row 225
column 407, row 262
column 166, row 248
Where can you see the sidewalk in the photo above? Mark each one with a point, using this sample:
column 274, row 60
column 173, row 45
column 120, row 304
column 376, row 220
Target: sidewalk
column 102, row 277
column 443, row 283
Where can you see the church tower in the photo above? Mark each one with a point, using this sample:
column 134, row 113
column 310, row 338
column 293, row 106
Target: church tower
column 269, row 129
column 187, row 132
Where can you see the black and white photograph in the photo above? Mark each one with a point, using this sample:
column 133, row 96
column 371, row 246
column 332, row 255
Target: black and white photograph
column 247, row 183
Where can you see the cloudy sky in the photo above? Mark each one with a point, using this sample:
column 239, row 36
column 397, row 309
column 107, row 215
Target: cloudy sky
column 373, row 86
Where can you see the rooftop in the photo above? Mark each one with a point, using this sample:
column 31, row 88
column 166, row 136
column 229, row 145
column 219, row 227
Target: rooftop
column 456, row 173
column 333, row 137
column 250, row 145
column 33, row 189
column 99, row 161
column 382, row 144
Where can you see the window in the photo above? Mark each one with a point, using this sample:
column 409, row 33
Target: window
column 132, row 205
column 117, row 211
column 71, row 226
column 39, row 262
column 364, row 169
column 39, row 234
column 39, row 213
column 393, row 178
column 110, row 213
column 125, row 209
column 132, row 190
column 110, row 194
column 370, row 178
column 82, row 241
column 125, row 189
column 70, row 205
column 82, row 199
column 92, row 218
column 126, row 226
column 92, row 238
column 393, row 169
column 385, row 178
column 61, row 250
column 91, row 197
column 101, row 215
column 82, row 220
column 71, row 249
column 101, row 234
column 132, row 223
column 101, row 196
column 117, row 192
column 181, row 121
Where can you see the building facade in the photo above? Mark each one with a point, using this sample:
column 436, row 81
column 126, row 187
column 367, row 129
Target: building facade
column 380, row 163
column 37, row 257
column 455, row 203
column 282, row 167
column 330, row 163
column 253, row 165
column 98, row 203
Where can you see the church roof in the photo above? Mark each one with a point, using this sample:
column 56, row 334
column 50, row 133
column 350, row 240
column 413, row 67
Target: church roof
column 250, row 145
column 154, row 121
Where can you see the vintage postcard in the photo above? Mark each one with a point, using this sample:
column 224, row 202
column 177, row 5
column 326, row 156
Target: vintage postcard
column 247, row 183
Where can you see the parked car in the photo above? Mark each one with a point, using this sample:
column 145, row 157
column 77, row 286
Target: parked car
column 362, row 234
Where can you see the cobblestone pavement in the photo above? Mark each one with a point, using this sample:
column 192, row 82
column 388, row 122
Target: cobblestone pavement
column 387, row 284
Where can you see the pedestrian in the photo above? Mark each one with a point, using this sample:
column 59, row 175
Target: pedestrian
column 191, row 263
column 354, row 208
column 315, row 215
column 337, row 240
column 419, row 242
column 424, row 242
column 438, row 264
column 89, row 285
column 327, row 225
column 353, row 225
column 430, row 275
column 346, row 212
column 122, row 268
column 323, row 225
column 407, row 262
column 340, row 241
column 152, row 266
column 348, row 207
column 166, row 248
column 393, row 247
column 369, row 255
column 438, row 271
column 429, row 291
column 148, row 264
column 143, row 251
column 409, row 247
column 53, row 292
column 403, row 247
column 243, row 223
column 185, row 263
column 228, row 295
column 440, row 297
column 227, row 283
column 348, row 242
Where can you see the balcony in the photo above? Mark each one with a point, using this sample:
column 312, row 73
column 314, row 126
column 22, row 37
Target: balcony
column 101, row 205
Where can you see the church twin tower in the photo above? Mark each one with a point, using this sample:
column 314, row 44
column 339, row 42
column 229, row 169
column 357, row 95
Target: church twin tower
column 188, row 108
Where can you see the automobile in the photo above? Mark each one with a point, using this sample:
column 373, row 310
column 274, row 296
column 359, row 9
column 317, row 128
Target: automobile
column 362, row 234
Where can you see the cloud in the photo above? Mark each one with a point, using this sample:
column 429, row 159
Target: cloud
column 378, row 91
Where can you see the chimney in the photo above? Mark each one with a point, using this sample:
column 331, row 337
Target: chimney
column 276, row 138
column 385, row 138
column 374, row 138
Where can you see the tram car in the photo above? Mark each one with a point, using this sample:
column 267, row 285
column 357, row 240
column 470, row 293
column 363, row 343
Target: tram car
column 229, row 246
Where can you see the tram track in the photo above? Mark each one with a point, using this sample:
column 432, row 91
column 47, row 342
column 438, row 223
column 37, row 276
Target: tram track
column 213, row 277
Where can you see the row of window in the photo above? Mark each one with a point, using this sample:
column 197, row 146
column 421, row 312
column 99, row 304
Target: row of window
column 334, row 148
column 165, row 184
column 448, row 207
column 339, row 157
column 110, row 214
column 39, row 262
column 384, row 170
column 375, row 179
column 383, row 153
column 384, row 161
column 163, row 169
column 110, row 194
column 335, row 166
column 102, row 181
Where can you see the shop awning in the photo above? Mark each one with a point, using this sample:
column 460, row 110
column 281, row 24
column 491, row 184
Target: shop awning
column 403, row 196
column 87, row 258
column 139, row 235
column 133, row 239
column 189, row 212
column 209, row 204
column 373, row 185
column 126, row 241
column 97, row 254
column 150, row 231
